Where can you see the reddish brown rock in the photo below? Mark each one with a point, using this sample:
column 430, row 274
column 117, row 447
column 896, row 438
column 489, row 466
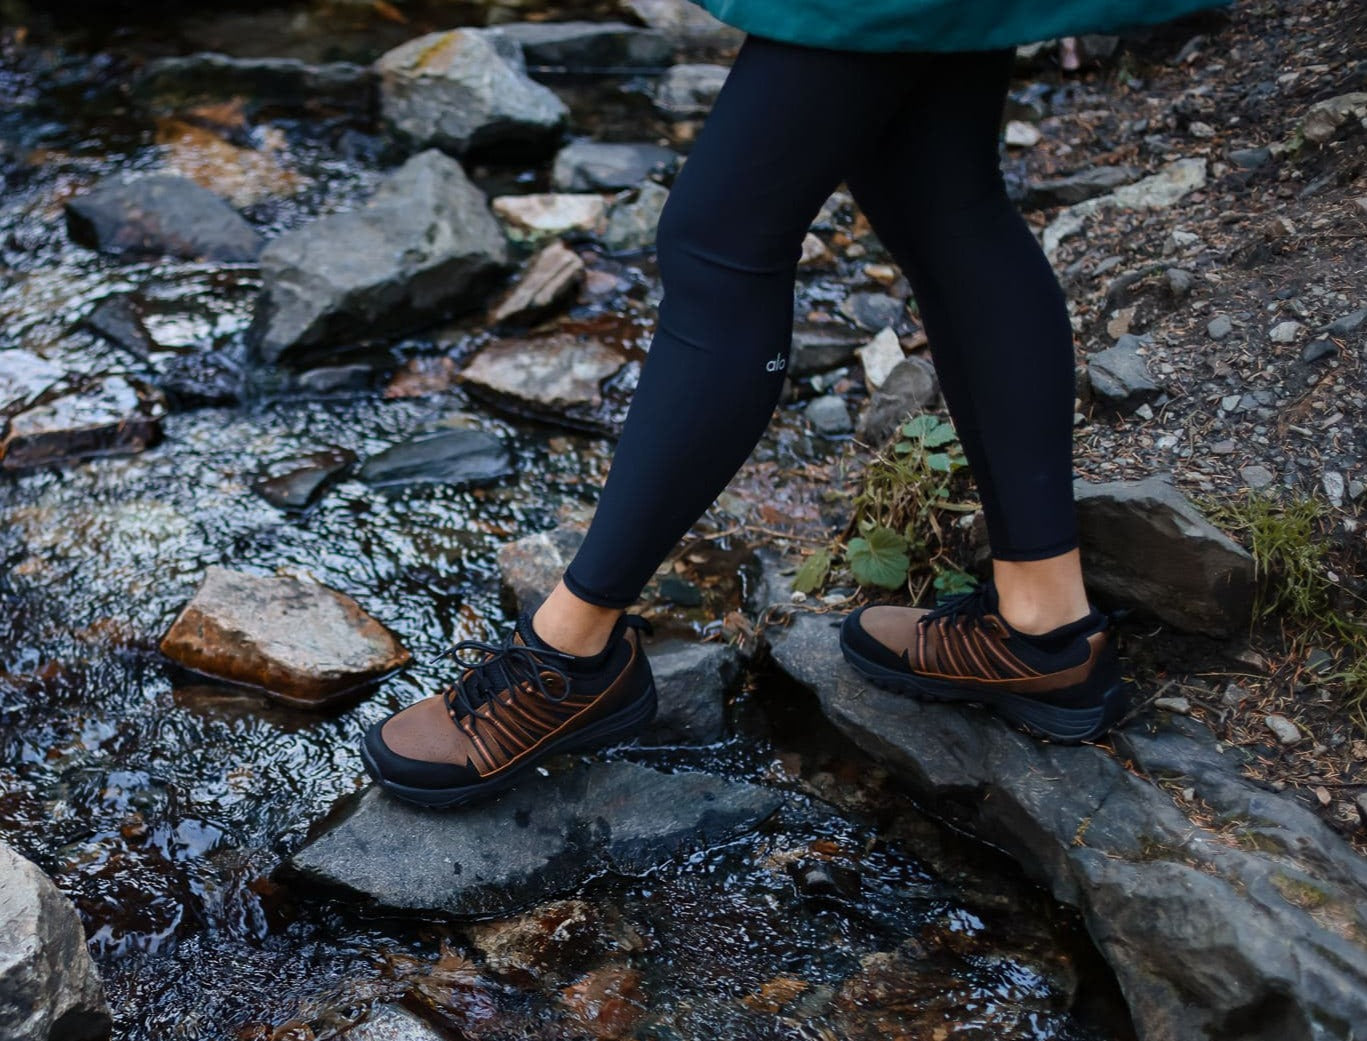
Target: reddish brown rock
column 298, row 641
column 607, row 1002
column 551, row 278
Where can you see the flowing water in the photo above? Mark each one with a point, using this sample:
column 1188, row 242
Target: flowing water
column 164, row 805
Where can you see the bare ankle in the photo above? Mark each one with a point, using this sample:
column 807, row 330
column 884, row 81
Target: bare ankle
column 572, row 625
column 1038, row 596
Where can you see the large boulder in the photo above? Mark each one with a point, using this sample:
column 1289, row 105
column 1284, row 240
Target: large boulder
column 542, row 839
column 467, row 89
column 590, row 45
column 161, row 215
column 424, row 247
column 1144, row 545
column 1251, row 927
column 49, row 989
column 300, row 642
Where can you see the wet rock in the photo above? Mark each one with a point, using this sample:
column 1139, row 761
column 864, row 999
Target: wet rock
column 539, row 216
column 692, row 681
column 606, row 1003
column 24, row 377
column 633, row 218
column 297, row 640
column 1119, row 375
column 829, row 416
column 424, row 247
column 296, row 484
column 1324, row 118
column 820, row 348
column 1078, row 187
column 173, row 83
column 560, row 935
column 49, row 989
column 908, row 390
column 1145, row 545
column 557, row 377
column 108, row 416
column 161, row 215
column 532, row 565
column 1206, row 932
column 542, row 839
column 875, row 311
column 464, row 90
column 461, row 458
column 118, row 319
column 879, row 357
column 587, row 166
column 590, row 45
column 196, row 378
column 242, row 176
column 688, row 91
column 552, row 277
column 335, row 379
column 421, row 376
column 391, row 1023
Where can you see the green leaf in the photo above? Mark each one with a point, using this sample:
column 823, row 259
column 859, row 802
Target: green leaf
column 952, row 581
column 920, row 426
column 880, row 559
column 813, row 572
column 939, row 461
column 943, row 434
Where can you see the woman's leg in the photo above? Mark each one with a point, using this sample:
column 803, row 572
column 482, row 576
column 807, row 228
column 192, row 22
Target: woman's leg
column 996, row 320
column 775, row 145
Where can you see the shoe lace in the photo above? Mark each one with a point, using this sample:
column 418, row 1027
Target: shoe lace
column 495, row 667
column 966, row 606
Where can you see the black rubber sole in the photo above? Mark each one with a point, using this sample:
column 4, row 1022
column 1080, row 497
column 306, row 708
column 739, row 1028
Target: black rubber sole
column 1068, row 726
column 605, row 733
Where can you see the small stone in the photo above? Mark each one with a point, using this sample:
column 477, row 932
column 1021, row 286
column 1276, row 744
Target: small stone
column 1324, row 118
column 1250, row 158
column 336, row 379
column 1178, row 706
column 815, row 252
column 1222, row 447
column 829, row 416
column 1280, row 227
column 1198, row 129
column 633, row 218
column 1347, row 324
column 1020, row 134
column 118, row 318
column 1257, row 476
column 586, row 46
column 879, row 356
column 296, row 484
column 1286, row 332
column 600, row 166
column 1144, row 412
column 552, row 277
column 541, row 215
column 546, row 375
column 1334, row 486
column 1315, row 350
column 1219, row 327
column 908, row 390
column 606, row 1003
column 874, row 311
column 1319, row 661
column 1285, row 731
column 298, row 641
column 466, row 89
column 460, row 458
column 1120, row 377
column 688, row 90
column 1179, row 281
column 1230, row 403
column 693, row 680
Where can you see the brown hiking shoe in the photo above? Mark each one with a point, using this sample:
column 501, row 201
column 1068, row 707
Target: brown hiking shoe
column 514, row 704
column 1064, row 685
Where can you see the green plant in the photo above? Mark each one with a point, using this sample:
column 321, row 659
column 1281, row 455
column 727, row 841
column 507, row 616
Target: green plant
column 897, row 528
column 1296, row 581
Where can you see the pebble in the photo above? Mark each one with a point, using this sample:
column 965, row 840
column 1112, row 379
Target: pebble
column 1334, row 487
column 1284, row 730
column 829, row 416
column 1257, row 476
column 1286, row 332
column 1250, row 158
column 1317, row 349
column 1180, row 281
column 1225, row 447
column 1020, row 134
column 879, row 356
column 1179, row 706
column 1219, row 327
column 1347, row 324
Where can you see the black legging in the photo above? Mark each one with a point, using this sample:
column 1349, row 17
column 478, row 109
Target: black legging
column 914, row 136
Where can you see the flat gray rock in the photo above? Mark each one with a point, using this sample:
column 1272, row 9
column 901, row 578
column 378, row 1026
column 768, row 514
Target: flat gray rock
column 590, row 166
column 467, row 89
column 1208, row 934
column 110, row 416
column 424, row 247
column 692, row 681
column 590, row 45
column 1145, row 545
column 161, row 215
column 545, row 838
column 49, row 989
column 462, row 458
column 1120, row 376
column 550, row 377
